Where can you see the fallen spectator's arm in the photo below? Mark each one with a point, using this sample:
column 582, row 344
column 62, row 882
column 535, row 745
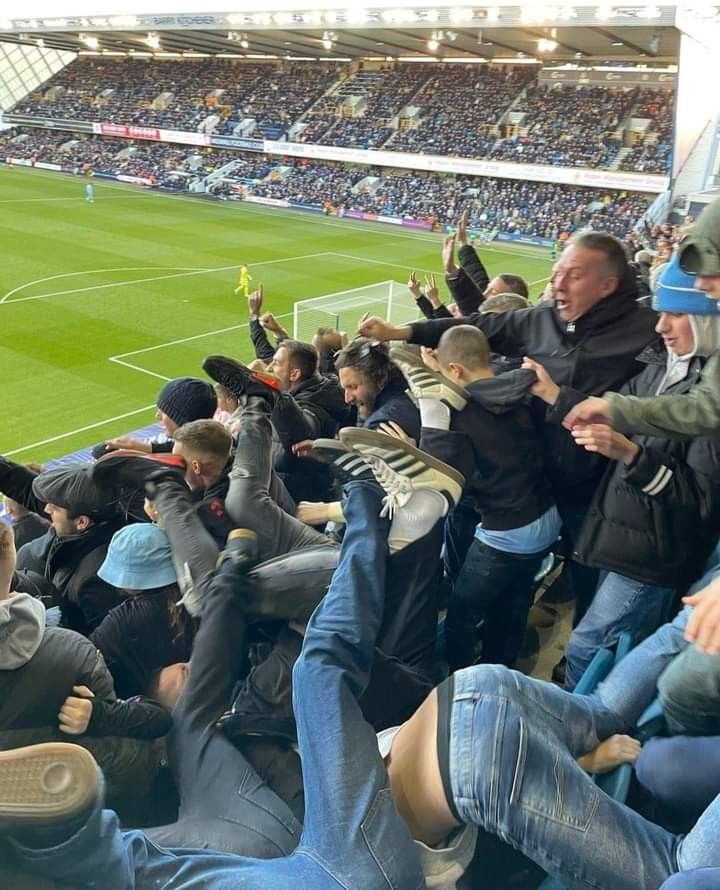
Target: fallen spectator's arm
column 140, row 718
column 16, row 482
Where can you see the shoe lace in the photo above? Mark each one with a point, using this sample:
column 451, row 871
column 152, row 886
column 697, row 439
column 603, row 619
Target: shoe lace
column 398, row 489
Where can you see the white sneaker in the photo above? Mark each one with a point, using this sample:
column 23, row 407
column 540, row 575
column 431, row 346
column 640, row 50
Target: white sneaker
column 425, row 383
column 401, row 469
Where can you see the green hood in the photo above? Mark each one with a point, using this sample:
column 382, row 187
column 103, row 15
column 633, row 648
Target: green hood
column 700, row 250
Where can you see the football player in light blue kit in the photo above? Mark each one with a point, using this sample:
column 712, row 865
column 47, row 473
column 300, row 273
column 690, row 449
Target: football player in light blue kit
column 89, row 193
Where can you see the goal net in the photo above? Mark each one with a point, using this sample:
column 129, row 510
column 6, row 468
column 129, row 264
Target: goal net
column 342, row 311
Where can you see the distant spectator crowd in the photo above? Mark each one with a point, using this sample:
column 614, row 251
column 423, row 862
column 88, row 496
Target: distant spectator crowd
column 472, row 111
column 504, row 205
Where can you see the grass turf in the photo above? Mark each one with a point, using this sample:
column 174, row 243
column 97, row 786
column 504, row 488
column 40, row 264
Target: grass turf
column 153, row 275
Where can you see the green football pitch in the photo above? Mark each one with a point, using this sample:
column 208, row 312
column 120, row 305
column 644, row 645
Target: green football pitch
column 100, row 303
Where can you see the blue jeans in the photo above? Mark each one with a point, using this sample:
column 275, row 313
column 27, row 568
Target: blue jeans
column 697, row 879
column 353, row 836
column 620, row 604
column 681, row 773
column 689, row 691
column 495, row 588
column 528, row 788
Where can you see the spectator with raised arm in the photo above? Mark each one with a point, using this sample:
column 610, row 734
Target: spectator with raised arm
column 590, row 334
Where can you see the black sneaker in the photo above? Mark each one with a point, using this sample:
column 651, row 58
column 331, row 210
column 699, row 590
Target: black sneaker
column 241, row 380
column 138, row 469
column 345, row 464
column 425, row 383
column 45, row 785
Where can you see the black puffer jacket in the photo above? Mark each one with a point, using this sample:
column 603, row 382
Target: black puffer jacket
column 658, row 519
column 595, row 353
column 32, row 694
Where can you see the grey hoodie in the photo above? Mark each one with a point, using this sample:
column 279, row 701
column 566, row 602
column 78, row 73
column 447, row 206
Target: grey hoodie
column 706, row 337
column 22, row 625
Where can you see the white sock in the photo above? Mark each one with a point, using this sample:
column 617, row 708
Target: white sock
column 416, row 518
column 434, row 414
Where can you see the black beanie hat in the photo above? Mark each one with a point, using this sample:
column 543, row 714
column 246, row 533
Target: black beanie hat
column 73, row 488
column 187, row 398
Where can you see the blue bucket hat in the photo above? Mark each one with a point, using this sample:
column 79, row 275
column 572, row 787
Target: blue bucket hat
column 675, row 292
column 138, row 558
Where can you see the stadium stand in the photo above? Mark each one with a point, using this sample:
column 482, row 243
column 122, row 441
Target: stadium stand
column 506, row 205
column 501, row 113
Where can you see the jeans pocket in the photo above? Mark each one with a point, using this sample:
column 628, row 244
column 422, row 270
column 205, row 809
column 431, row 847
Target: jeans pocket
column 548, row 783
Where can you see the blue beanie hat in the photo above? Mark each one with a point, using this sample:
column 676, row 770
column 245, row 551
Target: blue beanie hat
column 675, row 293
column 138, row 558
column 187, row 398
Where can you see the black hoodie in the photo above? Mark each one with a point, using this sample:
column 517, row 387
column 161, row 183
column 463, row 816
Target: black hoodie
column 591, row 355
column 494, row 443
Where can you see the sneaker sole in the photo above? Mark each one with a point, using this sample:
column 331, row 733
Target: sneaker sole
column 226, row 371
column 408, row 362
column 347, row 465
column 46, row 783
column 353, row 436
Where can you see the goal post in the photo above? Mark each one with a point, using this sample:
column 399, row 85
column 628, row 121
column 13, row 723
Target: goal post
column 342, row 310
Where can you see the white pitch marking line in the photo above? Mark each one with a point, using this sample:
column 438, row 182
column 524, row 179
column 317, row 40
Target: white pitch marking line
column 119, row 361
column 82, row 429
column 44, row 200
column 233, row 327
column 95, row 272
column 363, row 259
column 307, row 256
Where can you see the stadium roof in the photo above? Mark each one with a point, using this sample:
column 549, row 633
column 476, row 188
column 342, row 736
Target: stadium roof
column 599, row 33
column 601, row 44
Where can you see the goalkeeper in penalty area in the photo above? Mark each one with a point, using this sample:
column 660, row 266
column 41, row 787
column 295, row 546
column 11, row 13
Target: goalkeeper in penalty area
column 244, row 281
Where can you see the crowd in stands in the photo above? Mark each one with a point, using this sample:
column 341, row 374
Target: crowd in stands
column 386, row 98
column 277, row 642
column 458, row 107
column 504, row 205
column 181, row 94
column 457, row 110
column 652, row 153
column 494, row 205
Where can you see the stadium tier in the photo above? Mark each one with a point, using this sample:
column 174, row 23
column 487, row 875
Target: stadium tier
column 545, row 210
column 470, row 111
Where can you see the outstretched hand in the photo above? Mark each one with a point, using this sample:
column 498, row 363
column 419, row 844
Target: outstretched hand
column 448, row 255
column 462, row 238
column 611, row 753
column 374, row 328
column 703, row 627
column 255, row 301
column 414, row 285
column 545, row 388
column 312, row 512
column 602, row 439
column 592, row 410
column 432, row 291
column 390, row 428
